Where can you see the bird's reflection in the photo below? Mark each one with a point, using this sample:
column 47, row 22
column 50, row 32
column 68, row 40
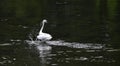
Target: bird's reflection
column 43, row 57
column 44, row 51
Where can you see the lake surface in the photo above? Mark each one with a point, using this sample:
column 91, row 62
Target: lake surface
column 85, row 33
column 57, row 53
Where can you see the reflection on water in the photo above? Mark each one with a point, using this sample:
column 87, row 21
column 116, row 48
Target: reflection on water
column 6, row 60
column 59, row 52
column 44, row 51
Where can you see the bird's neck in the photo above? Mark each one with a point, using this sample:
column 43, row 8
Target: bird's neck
column 41, row 28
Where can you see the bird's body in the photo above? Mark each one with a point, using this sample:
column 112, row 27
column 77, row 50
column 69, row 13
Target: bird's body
column 43, row 36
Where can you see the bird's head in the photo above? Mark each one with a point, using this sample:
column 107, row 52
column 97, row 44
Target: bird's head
column 44, row 21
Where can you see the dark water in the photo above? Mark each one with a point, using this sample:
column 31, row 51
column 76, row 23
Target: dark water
column 89, row 28
column 57, row 53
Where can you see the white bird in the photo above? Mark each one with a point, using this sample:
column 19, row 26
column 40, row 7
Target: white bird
column 43, row 36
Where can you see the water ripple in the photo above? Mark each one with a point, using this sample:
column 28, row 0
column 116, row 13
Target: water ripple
column 71, row 45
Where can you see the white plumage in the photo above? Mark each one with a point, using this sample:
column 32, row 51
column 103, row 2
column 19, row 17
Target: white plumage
column 43, row 36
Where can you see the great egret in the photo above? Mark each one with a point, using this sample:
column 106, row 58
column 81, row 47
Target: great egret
column 43, row 36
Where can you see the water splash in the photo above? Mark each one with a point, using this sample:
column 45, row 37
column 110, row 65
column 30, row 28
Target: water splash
column 69, row 44
column 88, row 47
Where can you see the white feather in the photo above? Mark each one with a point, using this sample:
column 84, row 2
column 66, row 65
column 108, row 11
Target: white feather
column 43, row 36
